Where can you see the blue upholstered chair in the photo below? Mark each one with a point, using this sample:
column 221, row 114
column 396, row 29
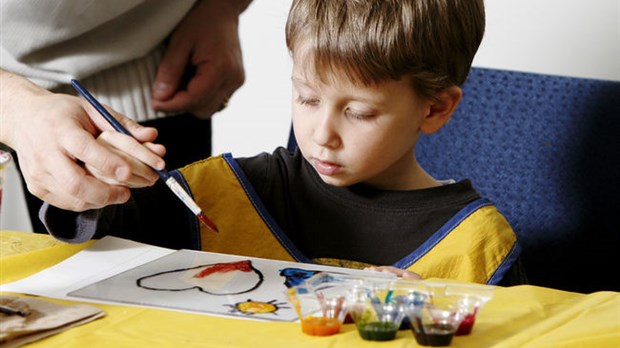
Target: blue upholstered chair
column 546, row 150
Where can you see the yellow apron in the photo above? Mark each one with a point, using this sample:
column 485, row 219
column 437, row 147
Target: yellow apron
column 476, row 245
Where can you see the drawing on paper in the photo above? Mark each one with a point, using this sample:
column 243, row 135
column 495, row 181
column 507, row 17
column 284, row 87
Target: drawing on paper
column 206, row 282
column 250, row 307
column 229, row 278
column 295, row 276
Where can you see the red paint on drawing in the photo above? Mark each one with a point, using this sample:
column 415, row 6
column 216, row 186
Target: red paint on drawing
column 242, row 266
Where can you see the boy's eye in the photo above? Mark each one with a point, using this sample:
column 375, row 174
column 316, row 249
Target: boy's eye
column 307, row 101
column 357, row 115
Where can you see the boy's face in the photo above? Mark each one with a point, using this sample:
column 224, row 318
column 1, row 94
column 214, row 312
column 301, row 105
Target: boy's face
column 351, row 133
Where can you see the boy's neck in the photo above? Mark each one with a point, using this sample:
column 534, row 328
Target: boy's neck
column 415, row 179
column 419, row 180
column 424, row 180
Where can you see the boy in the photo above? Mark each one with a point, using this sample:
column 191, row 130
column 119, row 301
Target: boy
column 369, row 78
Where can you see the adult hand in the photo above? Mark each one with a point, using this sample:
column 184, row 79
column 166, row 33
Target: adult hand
column 54, row 135
column 144, row 157
column 202, row 66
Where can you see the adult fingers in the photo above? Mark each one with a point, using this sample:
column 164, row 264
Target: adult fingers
column 81, row 145
column 139, row 178
column 206, row 91
column 142, row 158
column 131, row 149
column 70, row 188
column 171, row 69
column 143, row 134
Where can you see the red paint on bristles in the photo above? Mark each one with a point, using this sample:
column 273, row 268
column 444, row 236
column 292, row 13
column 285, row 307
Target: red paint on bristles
column 205, row 220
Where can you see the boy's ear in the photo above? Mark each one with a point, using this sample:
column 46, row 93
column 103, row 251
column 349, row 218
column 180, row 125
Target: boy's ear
column 441, row 109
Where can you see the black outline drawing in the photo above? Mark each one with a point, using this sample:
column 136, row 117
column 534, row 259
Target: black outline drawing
column 255, row 270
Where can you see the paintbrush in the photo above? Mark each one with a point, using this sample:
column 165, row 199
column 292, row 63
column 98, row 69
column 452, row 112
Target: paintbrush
column 170, row 181
column 13, row 311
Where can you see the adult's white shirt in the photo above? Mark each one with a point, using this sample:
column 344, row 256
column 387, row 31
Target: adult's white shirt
column 112, row 46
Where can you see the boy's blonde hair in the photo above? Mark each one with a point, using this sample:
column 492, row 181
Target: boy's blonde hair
column 432, row 42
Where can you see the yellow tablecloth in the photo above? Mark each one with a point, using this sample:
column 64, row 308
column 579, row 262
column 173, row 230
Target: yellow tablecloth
column 521, row 316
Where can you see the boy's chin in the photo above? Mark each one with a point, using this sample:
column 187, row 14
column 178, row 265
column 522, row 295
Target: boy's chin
column 336, row 182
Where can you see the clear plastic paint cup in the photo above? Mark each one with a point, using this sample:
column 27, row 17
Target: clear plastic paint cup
column 320, row 303
column 377, row 313
column 434, row 315
column 435, row 325
column 471, row 298
column 5, row 160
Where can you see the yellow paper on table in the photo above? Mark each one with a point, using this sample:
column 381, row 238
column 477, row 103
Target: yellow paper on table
column 23, row 253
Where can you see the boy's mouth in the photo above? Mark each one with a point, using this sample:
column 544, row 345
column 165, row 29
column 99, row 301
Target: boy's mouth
column 325, row 168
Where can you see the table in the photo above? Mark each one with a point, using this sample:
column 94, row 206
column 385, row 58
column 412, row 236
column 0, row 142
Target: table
column 520, row 316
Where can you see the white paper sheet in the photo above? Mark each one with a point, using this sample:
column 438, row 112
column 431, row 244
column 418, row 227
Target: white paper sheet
column 105, row 258
column 112, row 269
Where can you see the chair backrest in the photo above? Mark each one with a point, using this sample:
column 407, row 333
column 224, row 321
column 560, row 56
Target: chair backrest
column 546, row 150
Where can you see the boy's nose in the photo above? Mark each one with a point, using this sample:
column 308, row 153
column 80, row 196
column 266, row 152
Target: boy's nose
column 326, row 130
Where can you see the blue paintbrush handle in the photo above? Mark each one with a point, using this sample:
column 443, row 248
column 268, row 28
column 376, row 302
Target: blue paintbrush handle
column 111, row 120
column 170, row 181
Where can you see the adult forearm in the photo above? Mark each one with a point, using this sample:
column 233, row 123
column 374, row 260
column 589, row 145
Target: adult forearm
column 15, row 92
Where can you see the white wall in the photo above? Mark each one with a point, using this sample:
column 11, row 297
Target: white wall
column 258, row 115
column 564, row 37
column 578, row 38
